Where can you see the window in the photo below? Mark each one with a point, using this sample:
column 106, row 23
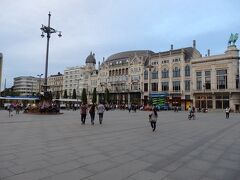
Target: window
column 222, row 101
column 199, row 80
column 145, row 87
column 237, row 82
column 165, row 73
column 165, row 86
column 155, row 74
column 187, row 70
column 187, row 85
column 176, row 72
column 176, row 86
column 145, row 75
column 207, row 80
column 222, row 79
column 154, row 86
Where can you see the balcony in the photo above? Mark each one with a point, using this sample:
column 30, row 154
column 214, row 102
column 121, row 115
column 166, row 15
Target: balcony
column 212, row 91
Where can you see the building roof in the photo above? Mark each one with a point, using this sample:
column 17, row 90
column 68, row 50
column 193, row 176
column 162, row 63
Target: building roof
column 91, row 58
column 129, row 54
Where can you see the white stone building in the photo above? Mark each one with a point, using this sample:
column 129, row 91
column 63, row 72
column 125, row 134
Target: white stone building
column 80, row 77
column 26, row 85
column 55, row 84
column 216, row 80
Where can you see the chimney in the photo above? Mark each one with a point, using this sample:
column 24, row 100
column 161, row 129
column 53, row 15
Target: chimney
column 103, row 59
column 171, row 47
column 194, row 44
column 208, row 52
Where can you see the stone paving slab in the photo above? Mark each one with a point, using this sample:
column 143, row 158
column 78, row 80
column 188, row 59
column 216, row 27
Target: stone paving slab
column 122, row 148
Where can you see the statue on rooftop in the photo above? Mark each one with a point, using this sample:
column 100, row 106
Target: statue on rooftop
column 233, row 38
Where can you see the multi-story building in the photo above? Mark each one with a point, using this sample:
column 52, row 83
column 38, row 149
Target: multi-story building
column 215, row 80
column 80, row 77
column 168, row 74
column 182, row 76
column 121, row 74
column 55, row 84
column 1, row 63
column 26, row 85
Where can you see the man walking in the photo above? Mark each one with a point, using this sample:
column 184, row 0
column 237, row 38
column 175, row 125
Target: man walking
column 101, row 110
column 83, row 111
column 227, row 110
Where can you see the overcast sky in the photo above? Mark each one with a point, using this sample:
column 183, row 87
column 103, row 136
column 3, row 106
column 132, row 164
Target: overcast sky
column 107, row 27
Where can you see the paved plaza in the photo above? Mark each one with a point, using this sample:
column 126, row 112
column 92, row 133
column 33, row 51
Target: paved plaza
column 58, row 147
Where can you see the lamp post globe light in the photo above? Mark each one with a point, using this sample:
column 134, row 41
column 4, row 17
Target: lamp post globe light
column 48, row 30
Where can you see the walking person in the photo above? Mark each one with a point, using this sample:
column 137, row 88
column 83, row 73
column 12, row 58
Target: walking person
column 153, row 118
column 129, row 108
column 92, row 113
column 227, row 110
column 101, row 110
column 18, row 108
column 10, row 110
column 83, row 111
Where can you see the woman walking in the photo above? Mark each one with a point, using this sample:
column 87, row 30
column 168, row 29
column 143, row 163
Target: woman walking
column 153, row 119
column 92, row 113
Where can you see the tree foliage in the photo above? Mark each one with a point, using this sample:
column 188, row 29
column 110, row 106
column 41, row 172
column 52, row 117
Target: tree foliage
column 57, row 95
column 84, row 96
column 94, row 96
column 74, row 95
column 107, row 96
column 65, row 96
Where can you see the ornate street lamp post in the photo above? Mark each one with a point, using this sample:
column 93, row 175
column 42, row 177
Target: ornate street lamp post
column 48, row 30
column 40, row 79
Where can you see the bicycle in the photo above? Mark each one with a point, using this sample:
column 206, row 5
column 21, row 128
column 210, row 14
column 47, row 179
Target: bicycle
column 191, row 116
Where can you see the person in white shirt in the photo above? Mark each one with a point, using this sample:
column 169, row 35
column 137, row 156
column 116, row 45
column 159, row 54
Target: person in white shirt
column 101, row 110
column 227, row 110
column 153, row 119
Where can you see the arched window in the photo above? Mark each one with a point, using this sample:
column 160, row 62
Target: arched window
column 165, row 73
column 145, row 75
column 176, row 72
column 187, row 70
column 155, row 74
column 123, row 71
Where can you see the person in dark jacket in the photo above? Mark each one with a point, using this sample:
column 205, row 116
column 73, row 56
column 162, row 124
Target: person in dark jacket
column 83, row 111
column 92, row 113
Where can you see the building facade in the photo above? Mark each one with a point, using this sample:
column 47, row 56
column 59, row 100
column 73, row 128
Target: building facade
column 55, row 84
column 216, row 80
column 80, row 77
column 121, row 74
column 26, row 85
column 178, row 77
column 1, row 64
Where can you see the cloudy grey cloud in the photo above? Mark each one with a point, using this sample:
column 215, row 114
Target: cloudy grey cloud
column 107, row 27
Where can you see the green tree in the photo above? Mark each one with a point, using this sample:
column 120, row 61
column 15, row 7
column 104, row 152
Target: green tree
column 65, row 96
column 94, row 96
column 107, row 96
column 9, row 92
column 57, row 95
column 84, row 96
column 74, row 95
